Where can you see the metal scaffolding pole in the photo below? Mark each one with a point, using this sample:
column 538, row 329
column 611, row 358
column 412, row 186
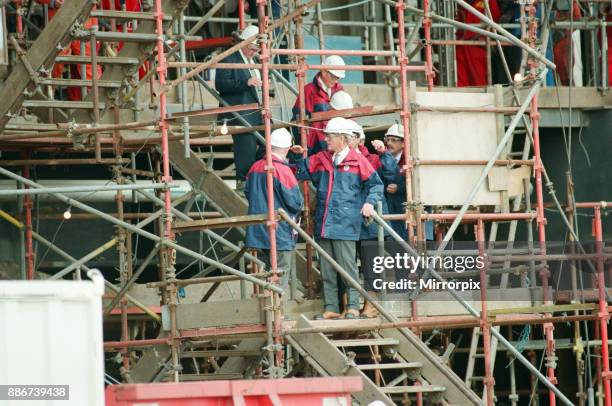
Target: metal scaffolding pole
column 83, row 189
column 517, row 354
column 145, row 234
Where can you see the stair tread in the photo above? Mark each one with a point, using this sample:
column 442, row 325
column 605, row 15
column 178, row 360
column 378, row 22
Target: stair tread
column 118, row 60
column 79, row 82
column 60, row 104
column 126, row 15
column 365, row 342
column 392, row 365
column 126, row 36
column 413, row 389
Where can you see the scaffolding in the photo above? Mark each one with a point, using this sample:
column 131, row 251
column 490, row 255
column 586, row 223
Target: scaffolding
column 158, row 37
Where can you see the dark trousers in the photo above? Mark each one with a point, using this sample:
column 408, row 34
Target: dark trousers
column 283, row 263
column 343, row 252
column 245, row 154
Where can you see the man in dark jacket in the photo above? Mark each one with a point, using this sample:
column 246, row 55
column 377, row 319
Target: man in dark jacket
column 287, row 196
column 242, row 86
column 395, row 185
column 348, row 188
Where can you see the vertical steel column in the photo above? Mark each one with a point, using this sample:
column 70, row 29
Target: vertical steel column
column 123, row 276
column 300, row 74
column 241, row 23
column 405, row 118
column 163, row 125
column 83, row 68
column 429, row 72
column 320, row 31
column 267, row 117
column 167, row 253
column 183, row 86
column 94, row 91
column 19, row 13
column 485, row 328
column 405, row 114
column 603, row 315
column 540, row 219
column 27, row 205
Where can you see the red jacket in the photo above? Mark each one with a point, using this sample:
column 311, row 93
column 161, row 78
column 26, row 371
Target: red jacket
column 317, row 100
column 467, row 17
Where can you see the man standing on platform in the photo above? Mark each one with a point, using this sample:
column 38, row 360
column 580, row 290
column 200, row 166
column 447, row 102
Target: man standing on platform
column 318, row 93
column 348, row 188
column 236, row 87
column 287, row 196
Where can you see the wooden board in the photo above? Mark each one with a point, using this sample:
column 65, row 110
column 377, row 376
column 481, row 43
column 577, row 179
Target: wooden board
column 219, row 314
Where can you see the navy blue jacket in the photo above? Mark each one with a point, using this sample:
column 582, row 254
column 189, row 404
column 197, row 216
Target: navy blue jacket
column 341, row 192
column 395, row 201
column 385, row 166
column 287, row 196
column 233, row 88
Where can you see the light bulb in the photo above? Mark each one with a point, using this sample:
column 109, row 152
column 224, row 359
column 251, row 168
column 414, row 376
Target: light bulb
column 518, row 77
column 224, row 130
column 68, row 213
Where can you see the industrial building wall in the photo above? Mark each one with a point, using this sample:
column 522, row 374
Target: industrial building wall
column 591, row 169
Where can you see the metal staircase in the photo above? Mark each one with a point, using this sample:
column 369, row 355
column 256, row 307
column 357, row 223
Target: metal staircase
column 393, row 367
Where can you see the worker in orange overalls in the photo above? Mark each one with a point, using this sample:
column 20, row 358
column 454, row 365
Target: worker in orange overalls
column 471, row 59
column 74, row 93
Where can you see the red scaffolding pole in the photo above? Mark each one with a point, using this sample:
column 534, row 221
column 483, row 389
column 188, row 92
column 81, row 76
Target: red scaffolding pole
column 540, row 219
column 603, row 315
column 485, row 327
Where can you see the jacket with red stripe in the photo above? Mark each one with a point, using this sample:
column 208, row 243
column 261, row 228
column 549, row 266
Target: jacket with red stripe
column 341, row 192
column 316, row 101
column 287, row 196
column 395, row 201
column 385, row 166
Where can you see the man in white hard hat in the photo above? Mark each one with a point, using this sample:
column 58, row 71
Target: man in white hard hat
column 287, row 196
column 318, row 93
column 316, row 142
column 242, row 86
column 385, row 166
column 392, row 155
column 348, row 188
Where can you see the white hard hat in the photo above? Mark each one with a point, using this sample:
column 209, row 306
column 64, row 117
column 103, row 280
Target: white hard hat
column 339, row 125
column 281, row 138
column 377, row 403
column 356, row 128
column 335, row 60
column 248, row 32
column 341, row 100
column 396, row 130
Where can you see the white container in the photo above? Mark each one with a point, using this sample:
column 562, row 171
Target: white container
column 51, row 334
